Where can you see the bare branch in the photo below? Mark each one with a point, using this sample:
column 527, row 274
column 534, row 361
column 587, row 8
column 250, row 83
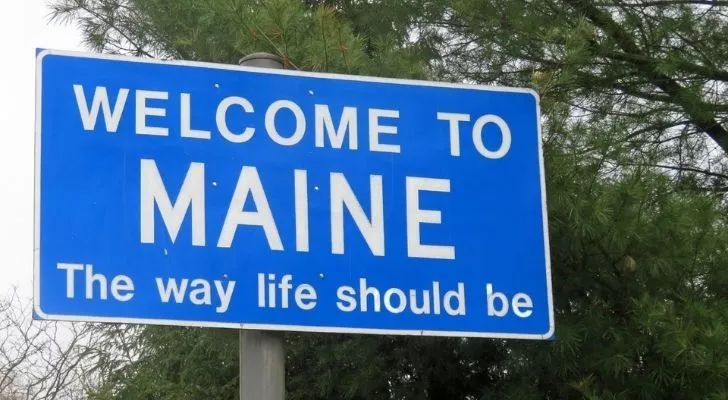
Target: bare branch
column 42, row 360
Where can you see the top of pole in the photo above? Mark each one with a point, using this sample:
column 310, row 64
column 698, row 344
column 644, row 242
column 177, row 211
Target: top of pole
column 262, row 60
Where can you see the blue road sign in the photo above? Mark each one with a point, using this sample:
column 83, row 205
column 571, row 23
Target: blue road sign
column 215, row 195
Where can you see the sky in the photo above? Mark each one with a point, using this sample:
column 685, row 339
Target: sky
column 24, row 26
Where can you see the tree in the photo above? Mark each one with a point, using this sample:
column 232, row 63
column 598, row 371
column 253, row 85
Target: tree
column 634, row 102
column 652, row 73
column 165, row 363
column 42, row 360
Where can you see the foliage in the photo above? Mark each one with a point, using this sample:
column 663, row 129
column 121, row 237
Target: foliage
column 167, row 363
column 651, row 74
column 312, row 39
column 43, row 360
column 635, row 106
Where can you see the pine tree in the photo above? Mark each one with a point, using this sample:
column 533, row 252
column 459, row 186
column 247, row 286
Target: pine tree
column 634, row 102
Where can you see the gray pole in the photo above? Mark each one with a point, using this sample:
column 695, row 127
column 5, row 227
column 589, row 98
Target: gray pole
column 262, row 354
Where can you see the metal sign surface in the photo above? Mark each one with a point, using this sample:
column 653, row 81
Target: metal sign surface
column 214, row 195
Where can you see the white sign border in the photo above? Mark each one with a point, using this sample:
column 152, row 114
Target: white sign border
column 38, row 313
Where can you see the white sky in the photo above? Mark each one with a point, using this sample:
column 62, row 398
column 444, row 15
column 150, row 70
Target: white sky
column 24, row 27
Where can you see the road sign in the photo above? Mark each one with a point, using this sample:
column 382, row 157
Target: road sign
column 214, row 195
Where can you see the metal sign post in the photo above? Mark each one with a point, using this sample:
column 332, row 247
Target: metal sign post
column 262, row 354
column 262, row 365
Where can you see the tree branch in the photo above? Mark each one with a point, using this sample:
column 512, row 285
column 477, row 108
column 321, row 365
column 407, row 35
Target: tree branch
column 682, row 168
column 704, row 120
column 664, row 3
column 703, row 71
